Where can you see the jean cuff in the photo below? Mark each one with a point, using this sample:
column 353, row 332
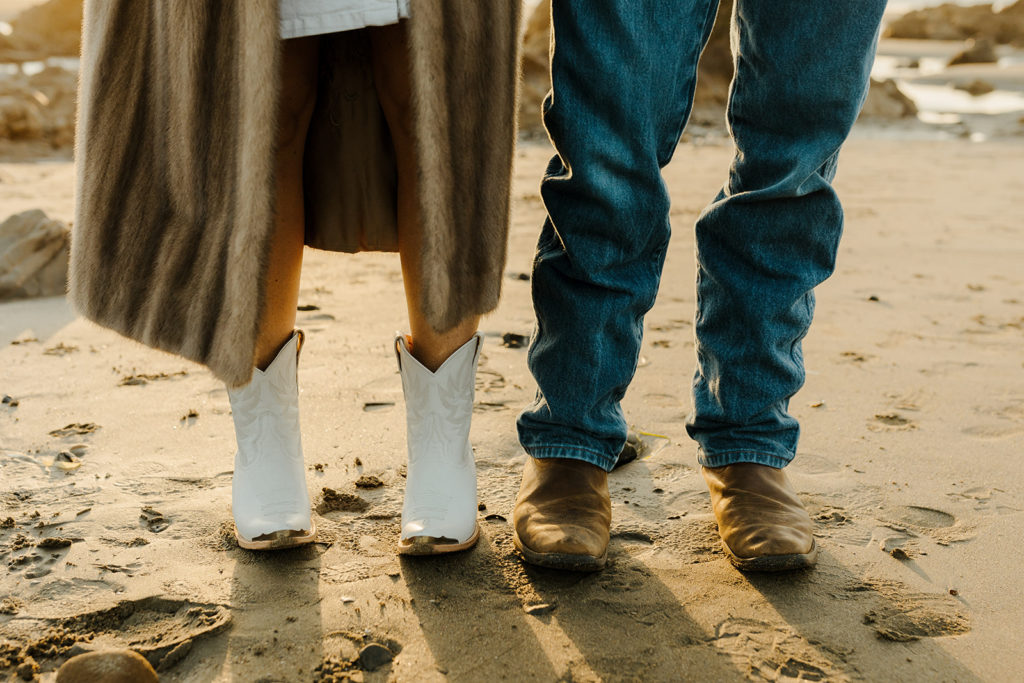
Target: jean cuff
column 776, row 460
column 573, row 452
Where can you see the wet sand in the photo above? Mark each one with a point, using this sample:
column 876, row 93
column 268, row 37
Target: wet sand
column 913, row 433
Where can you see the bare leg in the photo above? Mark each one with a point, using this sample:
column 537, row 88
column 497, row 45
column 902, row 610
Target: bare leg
column 298, row 95
column 391, row 72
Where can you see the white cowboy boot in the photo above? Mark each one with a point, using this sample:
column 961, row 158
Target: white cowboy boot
column 269, row 499
column 439, row 514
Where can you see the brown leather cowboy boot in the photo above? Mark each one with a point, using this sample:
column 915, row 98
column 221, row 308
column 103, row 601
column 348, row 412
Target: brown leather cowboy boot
column 563, row 514
column 763, row 525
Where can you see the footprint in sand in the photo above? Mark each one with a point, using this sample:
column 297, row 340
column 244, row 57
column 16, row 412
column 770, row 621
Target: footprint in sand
column 489, row 380
column 75, row 429
column 812, row 463
column 904, row 615
column 854, row 357
column 911, row 400
column 993, row 431
column 160, row 629
column 947, row 367
column 891, row 422
column 985, row 499
column 623, row 577
column 924, row 517
column 772, row 653
column 913, row 616
column 696, row 539
column 940, row 526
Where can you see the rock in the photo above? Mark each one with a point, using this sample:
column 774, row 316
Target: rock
column 49, row 29
column 108, row 666
column 40, row 107
column 536, row 77
column 28, row 669
column 976, row 51
column 714, row 72
column 374, row 656
column 33, row 256
column 21, row 118
column 976, row 88
column 514, row 341
column 886, row 101
column 953, row 22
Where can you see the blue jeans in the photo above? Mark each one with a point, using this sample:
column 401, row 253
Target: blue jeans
column 623, row 74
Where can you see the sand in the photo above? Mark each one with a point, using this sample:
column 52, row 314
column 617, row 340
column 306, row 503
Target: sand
column 910, row 463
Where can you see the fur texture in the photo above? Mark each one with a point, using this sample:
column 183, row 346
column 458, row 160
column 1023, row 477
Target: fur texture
column 176, row 132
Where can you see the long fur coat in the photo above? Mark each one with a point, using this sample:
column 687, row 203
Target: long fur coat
column 175, row 160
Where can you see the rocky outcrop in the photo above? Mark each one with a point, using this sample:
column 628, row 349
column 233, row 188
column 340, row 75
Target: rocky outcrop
column 40, row 107
column 715, row 70
column 536, row 67
column 33, row 256
column 976, row 51
column 886, row 102
column 954, row 22
column 714, row 73
column 976, row 88
column 51, row 29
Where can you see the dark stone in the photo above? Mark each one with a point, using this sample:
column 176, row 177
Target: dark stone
column 374, row 656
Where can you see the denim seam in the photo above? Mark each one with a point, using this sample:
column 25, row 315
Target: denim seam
column 593, row 457
column 571, row 447
column 705, row 456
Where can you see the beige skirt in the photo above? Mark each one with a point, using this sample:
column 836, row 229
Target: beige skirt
column 301, row 18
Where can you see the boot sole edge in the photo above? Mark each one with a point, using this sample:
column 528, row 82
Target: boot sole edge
column 566, row 561
column 430, row 547
column 774, row 563
column 281, row 539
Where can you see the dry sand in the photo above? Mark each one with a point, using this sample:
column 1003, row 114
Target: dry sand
column 910, row 462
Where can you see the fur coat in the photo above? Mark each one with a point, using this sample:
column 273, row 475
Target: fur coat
column 175, row 161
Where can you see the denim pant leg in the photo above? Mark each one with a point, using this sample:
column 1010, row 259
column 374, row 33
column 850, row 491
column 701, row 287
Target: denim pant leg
column 772, row 233
column 623, row 74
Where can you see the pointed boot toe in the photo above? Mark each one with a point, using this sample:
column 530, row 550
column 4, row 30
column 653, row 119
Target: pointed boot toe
column 763, row 524
column 562, row 514
column 269, row 498
column 440, row 506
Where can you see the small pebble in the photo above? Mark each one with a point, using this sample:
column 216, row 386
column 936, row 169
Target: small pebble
column 374, row 656
column 66, row 460
column 514, row 341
